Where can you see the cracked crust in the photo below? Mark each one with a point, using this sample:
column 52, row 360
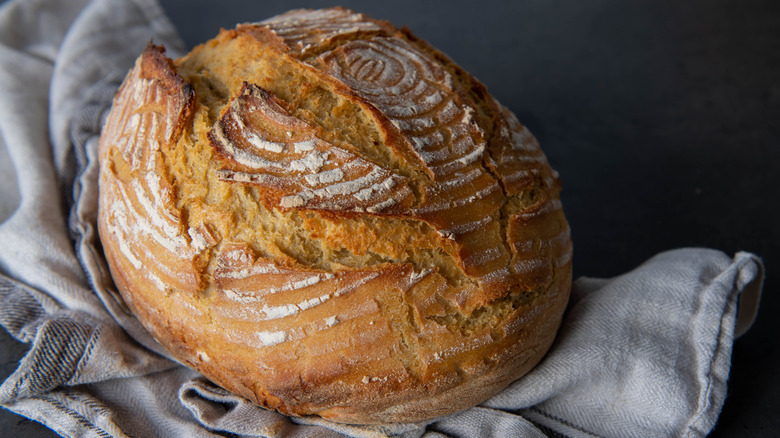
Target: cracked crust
column 324, row 214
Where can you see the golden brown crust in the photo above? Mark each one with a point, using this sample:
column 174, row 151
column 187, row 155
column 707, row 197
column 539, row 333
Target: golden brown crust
column 327, row 216
column 260, row 144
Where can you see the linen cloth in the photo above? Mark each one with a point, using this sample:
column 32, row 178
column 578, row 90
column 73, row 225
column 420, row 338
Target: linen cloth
column 643, row 354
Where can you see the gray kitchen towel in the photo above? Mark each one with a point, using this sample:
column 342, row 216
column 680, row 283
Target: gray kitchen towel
column 643, row 354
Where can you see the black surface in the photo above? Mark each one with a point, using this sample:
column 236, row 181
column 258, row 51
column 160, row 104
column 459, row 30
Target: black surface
column 662, row 118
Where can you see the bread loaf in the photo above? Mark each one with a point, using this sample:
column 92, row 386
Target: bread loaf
column 324, row 214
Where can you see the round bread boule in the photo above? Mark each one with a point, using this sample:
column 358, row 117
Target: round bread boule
column 325, row 215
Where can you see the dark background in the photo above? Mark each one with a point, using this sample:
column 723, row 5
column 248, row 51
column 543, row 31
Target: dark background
column 662, row 117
